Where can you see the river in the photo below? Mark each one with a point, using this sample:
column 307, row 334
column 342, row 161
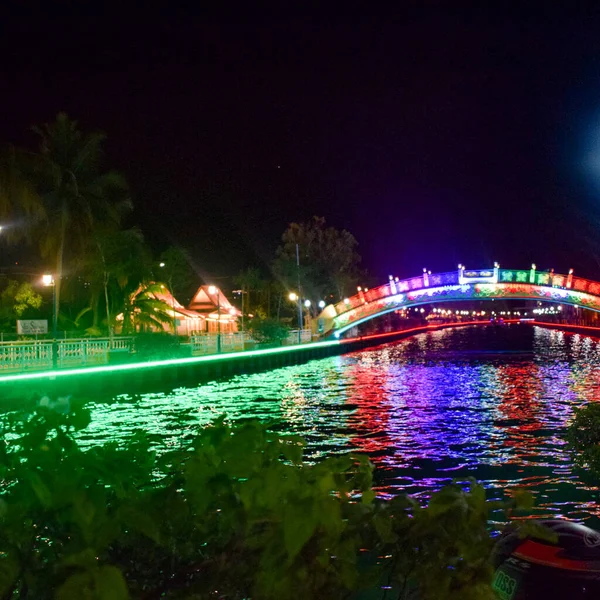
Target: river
column 485, row 402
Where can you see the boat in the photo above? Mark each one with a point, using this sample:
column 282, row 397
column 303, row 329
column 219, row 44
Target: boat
column 561, row 560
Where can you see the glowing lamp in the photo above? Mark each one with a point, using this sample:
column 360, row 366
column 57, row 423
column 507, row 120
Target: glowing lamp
column 47, row 280
column 321, row 303
column 293, row 297
column 307, row 303
column 162, row 264
column 212, row 289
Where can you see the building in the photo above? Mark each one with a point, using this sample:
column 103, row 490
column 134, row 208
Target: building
column 208, row 308
column 210, row 302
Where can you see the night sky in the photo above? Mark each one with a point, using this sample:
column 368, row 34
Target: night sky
column 434, row 138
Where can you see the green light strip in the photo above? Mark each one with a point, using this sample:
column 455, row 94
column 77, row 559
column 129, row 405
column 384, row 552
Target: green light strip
column 163, row 363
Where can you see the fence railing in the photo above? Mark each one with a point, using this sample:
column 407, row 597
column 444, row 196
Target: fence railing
column 37, row 355
column 69, row 353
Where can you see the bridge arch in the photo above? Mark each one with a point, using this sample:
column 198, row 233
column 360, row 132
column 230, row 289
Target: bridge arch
column 461, row 285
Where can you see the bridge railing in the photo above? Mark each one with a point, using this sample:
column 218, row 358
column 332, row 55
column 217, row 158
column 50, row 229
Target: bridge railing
column 432, row 280
column 392, row 288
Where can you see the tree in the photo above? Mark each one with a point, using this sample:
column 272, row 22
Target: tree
column 267, row 331
column 113, row 265
column 61, row 192
column 250, row 281
column 178, row 273
column 18, row 299
column 329, row 262
column 143, row 310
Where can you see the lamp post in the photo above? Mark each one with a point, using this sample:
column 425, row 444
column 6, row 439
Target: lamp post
column 48, row 281
column 296, row 298
column 307, row 305
column 212, row 289
column 241, row 293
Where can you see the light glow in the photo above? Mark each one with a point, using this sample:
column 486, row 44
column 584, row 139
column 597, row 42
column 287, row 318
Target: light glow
column 153, row 364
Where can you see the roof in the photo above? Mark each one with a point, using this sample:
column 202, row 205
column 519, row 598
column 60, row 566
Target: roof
column 205, row 302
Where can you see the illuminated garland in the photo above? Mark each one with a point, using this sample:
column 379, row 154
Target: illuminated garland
column 513, row 284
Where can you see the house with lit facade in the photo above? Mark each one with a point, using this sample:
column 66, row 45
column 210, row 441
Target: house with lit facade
column 208, row 308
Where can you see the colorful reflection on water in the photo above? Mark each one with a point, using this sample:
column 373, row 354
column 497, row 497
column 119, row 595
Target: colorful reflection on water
column 490, row 403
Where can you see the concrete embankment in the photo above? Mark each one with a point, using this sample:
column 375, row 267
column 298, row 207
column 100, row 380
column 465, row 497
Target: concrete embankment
column 162, row 375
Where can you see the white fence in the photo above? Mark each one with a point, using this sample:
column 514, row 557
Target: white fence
column 28, row 355
column 37, row 355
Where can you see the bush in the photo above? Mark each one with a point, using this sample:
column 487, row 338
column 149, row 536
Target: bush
column 583, row 437
column 156, row 346
column 238, row 514
column 268, row 331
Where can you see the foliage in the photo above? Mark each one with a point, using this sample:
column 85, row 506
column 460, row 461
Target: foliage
column 61, row 192
column 178, row 273
column 267, row 331
column 251, row 283
column 142, row 310
column 18, row 299
column 156, row 346
column 115, row 264
column 328, row 260
column 583, row 437
column 236, row 514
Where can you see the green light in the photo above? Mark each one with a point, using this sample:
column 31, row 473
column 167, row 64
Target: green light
column 164, row 363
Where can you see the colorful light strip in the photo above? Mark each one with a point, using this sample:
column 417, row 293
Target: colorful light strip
column 157, row 364
column 152, row 364
column 519, row 290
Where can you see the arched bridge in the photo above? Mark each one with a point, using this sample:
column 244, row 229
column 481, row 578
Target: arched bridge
column 463, row 284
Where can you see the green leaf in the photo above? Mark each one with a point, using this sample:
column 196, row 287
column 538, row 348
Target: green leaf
column 40, row 489
column 141, row 521
column 85, row 559
column 100, row 583
column 524, row 499
column 9, row 570
column 368, row 496
column 298, row 527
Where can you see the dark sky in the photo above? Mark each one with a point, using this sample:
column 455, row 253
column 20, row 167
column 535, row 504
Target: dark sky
column 435, row 138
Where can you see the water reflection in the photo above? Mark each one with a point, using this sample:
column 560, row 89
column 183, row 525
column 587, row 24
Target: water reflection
column 490, row 403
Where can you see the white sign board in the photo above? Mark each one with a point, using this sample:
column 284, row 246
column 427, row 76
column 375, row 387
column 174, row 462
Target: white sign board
column 32, row 327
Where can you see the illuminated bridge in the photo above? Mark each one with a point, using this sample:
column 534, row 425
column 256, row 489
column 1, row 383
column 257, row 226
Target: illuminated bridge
column 463, row 284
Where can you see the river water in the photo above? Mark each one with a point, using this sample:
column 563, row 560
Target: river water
column 485, row 402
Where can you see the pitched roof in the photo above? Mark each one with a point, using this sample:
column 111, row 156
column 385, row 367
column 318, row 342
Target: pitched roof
column 205, row 302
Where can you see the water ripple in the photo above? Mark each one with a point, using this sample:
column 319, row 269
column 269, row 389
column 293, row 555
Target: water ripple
column 490, row 403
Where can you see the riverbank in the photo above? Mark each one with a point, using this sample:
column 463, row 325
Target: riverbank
column 163, row 374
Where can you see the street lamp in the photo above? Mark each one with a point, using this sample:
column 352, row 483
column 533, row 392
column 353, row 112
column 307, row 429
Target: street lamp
column 212, row 289
column 296, row 298
column 321, row 304
column 48, row 281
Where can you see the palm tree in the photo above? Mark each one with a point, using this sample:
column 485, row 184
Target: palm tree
column 114, row 264
column 60, row 191
column 143, row 310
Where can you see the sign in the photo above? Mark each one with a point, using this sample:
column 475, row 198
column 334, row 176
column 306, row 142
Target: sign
column 477, row 276
column 32, row 327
